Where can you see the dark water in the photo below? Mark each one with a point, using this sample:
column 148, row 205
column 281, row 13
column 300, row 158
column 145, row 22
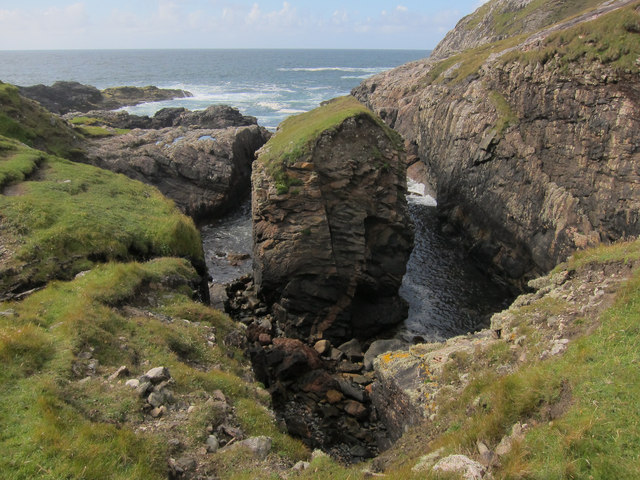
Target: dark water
column 447, row 294
column 268, row 84
column 226, row 242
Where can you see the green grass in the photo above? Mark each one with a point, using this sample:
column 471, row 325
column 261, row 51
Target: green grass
column 509, row 23
column 469, row 62
column 297, row 135
column 16, row 163
column 506, row 115
column 56, row 427
column 83, row 120
column 76, row 215
column 598, row 437
column 95, row 131
column 26, row 121
column 612, row 39
column 623, row 251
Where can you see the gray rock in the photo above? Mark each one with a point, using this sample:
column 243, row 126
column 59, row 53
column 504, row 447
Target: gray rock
column 301, row 466
column 133, row 383
column 144, row 388
column 205, row 170
column 379, row 347
column 212, row 444
column 121, row 372
column 258, row 446
column 156, row 399
column 462, row 465
column 351, row 390
column 158, row 374
column 353, row 350
column 185, row 464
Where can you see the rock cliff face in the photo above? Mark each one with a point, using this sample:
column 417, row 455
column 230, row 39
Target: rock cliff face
column 201, row 160
column 331, row 229
column 532, row 145
column 65, row 97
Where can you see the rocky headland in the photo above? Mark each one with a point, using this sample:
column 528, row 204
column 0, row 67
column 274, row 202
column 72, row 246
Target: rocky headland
column 64, row 97
column 525, row 122
column 530, row 142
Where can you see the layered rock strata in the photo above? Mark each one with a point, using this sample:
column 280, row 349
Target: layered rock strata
column 331, row 228
column 201, row 160
column 535, row 154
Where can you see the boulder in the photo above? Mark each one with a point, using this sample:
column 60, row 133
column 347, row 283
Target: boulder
column 379, row 347
column 331, row 228
column 258, row 446
column 467, row 469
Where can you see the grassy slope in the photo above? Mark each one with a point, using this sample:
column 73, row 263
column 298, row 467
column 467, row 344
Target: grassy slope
column 612, row 40
column 506, row 23
column 56, row 219
column 74, row 215
column 593, row 436
column 29, row 123
column 53, row 426
column 297, row 135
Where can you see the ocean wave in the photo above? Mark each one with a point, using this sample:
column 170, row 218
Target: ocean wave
column 271, row 105
column 335, row 69
column 357, row 77
column 291, row 111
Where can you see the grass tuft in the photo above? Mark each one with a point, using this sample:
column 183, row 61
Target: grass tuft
column 297, row 135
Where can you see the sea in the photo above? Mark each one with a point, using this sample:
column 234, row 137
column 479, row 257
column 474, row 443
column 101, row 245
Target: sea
column 447, row 294
column 267, row 84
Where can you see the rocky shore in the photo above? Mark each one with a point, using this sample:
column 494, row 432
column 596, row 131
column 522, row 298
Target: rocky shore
column 64, row 97
column 526, row 128
column 201, row 160
column 531, row 155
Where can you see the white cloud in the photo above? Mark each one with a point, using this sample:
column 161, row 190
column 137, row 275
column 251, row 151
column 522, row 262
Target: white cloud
column 219, row 24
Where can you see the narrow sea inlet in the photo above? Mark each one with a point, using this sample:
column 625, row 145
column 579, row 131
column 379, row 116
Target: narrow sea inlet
column 446, row 294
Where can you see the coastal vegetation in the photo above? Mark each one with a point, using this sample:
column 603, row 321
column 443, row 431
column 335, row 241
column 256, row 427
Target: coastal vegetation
column 64, row 217
column 100, row 272
column 612, row 39
column 297, row 134
column 26, row 121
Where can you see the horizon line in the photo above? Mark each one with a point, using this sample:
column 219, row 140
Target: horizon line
column 209, row 48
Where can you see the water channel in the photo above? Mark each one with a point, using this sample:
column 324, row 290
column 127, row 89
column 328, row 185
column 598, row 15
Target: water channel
column 447, row 293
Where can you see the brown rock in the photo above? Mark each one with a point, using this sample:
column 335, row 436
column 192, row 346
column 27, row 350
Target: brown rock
column 331, row 251
column 531, row 161
column 333, row 396
column 323, row 347
column 356, row 409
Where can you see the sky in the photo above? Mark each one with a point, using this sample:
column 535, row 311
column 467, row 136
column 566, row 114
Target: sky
column 115, row 24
